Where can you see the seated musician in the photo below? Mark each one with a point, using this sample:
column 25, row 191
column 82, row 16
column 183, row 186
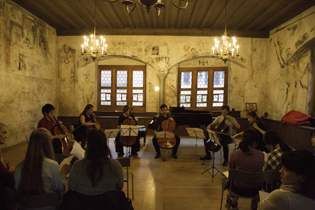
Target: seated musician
column 49, row 123
column 257, row 125
column 157, row 127
column 226, row 139
column 118, row 145
column 87, row 119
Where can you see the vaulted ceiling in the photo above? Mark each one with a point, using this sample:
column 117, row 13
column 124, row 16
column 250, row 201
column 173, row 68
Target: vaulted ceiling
column 244, row 18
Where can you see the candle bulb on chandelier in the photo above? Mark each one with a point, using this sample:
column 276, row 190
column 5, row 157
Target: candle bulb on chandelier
column 237, row 48
column 101, row 40
column 105, row 47
column 82, row 48
column 213, row 50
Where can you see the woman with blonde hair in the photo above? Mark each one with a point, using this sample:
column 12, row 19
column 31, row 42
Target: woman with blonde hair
column 39, row 173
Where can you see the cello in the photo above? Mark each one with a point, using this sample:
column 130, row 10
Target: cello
column 167, row 126
column 93, row 120
column 221, row 129
column 128, row 140
column 67, row 145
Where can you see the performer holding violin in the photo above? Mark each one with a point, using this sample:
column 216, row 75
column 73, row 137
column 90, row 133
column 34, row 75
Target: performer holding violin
column 50, row 124
column 225, row 139
column 257, row 125
column 164, row 116
column 126, row 118
column 86, row 122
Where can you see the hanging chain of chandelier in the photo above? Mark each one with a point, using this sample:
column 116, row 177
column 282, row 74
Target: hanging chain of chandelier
column 226, row 49
column 93, row 46
column 157, row 4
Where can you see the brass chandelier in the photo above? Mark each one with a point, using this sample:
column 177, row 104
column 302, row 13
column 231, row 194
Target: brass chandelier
column 225, row 49
column 157, row 4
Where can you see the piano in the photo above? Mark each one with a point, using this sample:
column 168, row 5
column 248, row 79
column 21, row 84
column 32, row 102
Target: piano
column 188, row 117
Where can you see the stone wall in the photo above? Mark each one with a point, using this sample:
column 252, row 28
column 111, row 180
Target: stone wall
column 290, row 66
column 245, row 73
column 28, row 76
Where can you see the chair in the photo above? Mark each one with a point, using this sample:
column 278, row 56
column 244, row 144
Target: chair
column 125, row 162
column 249, row 178
column 38, row 201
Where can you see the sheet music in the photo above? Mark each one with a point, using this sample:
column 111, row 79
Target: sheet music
column 213, row 136
column 126, row 128
column 226, row 174
column 196, row 133
column 163, row 134
column 65, row 161
column 263, row 195
column 77, row 151
column 111, row 133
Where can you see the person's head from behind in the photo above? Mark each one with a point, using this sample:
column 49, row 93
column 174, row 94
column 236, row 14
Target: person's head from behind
column 3, row 133
column 249, row 139
column 38, row 148
column 98, row 153
column 163, row 109
column 48, row 111
column 97, row 145
column 225, row 109
column 88, row 109
column 298, row 169
column 251, row 116
column 273, row 141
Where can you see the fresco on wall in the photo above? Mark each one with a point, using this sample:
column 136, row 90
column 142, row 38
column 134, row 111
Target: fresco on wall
column 28, row 78
column 289, row 65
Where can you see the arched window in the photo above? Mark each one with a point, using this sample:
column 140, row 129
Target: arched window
column 121, row 85
column 202, row 88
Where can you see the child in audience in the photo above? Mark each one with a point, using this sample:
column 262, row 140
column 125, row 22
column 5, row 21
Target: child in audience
column 298, row 184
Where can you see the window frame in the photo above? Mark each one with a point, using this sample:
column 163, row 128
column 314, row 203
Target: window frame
column 114, row 69
column 210, row 88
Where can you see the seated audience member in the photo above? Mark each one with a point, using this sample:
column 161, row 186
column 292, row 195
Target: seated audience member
column 38, row 173
column 298, row 184
column 97, row 173
column 6, row 176
column 277, row 148
column 246, row 158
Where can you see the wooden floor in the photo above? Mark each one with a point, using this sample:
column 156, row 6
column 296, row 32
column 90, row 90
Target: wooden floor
column 167, row 185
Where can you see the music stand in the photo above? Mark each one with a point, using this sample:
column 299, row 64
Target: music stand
column 196, row 133
column 129, row 130
column 164, row 135
column 214, row 138
column 111, row 133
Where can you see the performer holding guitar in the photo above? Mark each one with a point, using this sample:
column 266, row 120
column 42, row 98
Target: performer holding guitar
column 225, row 139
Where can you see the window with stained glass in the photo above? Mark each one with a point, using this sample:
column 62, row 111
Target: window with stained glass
column 121, row 85
column 202, row 88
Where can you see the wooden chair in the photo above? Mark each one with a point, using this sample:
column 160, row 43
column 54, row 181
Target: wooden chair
column 249, row 178
column 125, row 162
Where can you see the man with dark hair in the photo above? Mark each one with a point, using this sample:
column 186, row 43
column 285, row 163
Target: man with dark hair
column 157, row 127
column 225, row 139
column 49, row 123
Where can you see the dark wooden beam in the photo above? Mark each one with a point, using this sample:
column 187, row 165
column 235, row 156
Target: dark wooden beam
column 163, row 32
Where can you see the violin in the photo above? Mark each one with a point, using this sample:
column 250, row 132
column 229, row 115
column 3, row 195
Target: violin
column 66, row 144
column 167, row 126
column 128, row 140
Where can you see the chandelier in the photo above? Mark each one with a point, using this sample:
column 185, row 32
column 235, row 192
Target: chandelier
column 93, row 46
column 226, row 49
column 157, row 4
